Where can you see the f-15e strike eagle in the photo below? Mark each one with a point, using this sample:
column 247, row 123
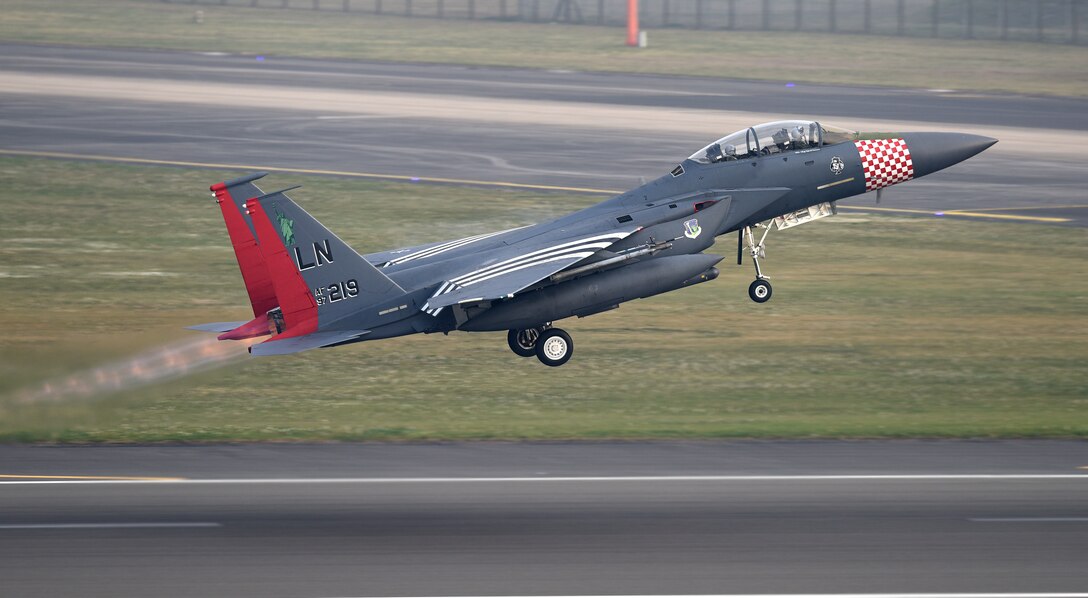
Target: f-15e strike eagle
column 309, row 289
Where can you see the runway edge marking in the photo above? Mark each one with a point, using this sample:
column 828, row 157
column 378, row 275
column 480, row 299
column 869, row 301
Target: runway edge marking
column 124, row 478
column 881, row 595
column 568, row 479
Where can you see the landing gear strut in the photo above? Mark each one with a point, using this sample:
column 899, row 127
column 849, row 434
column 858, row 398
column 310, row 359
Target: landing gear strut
column 760, row 289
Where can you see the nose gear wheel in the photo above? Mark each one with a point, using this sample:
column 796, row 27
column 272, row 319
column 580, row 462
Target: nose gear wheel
column 760, row 289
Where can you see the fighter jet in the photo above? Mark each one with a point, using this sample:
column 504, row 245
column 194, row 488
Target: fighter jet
column 308, row 289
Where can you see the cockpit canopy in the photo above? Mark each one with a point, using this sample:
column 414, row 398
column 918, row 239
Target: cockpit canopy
column 772, row 138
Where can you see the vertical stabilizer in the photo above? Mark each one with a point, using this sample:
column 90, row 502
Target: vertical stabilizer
column 230, row 195
column 316, row 275
column 297, row 305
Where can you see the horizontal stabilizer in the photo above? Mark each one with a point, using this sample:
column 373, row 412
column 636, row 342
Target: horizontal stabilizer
column 215, row 327
column 259, row 326
column 297, row 344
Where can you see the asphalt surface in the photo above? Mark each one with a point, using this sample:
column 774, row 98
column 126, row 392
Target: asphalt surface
column 1014, row 178
column 538, row 519
column 492, row 518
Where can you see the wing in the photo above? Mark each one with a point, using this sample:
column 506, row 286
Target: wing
column 404, row 255
column 512, row 274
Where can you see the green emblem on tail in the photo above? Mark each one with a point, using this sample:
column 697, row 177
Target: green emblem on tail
column 287, row 228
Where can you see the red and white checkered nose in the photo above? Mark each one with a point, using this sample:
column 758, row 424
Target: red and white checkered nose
column 885, row 162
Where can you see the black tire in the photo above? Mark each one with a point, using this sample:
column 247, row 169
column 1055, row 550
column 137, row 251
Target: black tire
column 523, row 341
column 760, row 291
column 554, row 347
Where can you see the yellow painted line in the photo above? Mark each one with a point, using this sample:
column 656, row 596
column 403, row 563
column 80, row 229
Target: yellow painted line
column 957, row 213
column 251, row 167
column 402, row 178
column 87, row 477
column 875, row 209
column 1029, row 208
column 1007, row 216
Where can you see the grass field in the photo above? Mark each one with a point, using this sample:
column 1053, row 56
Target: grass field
column 880, row 327
column 787, row 57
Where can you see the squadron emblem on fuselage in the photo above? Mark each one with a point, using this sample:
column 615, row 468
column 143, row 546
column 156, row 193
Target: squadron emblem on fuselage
column 837, row 165
column 692, row 228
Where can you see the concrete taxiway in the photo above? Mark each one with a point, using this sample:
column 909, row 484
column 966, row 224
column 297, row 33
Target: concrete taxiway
column 582, row 131
column 545, row 518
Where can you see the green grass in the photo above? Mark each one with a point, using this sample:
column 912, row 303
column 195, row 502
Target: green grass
column 784, row 56
column 880, row 327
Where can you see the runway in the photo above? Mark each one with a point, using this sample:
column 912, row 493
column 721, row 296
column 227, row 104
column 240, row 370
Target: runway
column 584, row 131
column 546, row 518
column 452, row 519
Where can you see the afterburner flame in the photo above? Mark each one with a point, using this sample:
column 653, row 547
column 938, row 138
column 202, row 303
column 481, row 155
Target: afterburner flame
column 167, row 362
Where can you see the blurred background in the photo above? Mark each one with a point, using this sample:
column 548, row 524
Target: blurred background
column 955, row 307
column 1057, row 21
column 906, row 415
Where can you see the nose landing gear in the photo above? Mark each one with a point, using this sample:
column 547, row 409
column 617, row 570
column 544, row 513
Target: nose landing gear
column 760, row 289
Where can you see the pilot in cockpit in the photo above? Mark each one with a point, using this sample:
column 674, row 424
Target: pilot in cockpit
column 780, row 139
column 797, row 138
column 719, row 153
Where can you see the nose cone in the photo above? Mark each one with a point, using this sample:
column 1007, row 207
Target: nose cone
column 931, row 152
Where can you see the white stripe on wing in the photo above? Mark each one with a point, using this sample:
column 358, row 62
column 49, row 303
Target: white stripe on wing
column 610, row 238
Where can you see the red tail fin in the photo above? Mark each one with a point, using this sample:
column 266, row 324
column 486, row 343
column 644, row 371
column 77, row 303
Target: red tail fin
column 296, row 301
column 258, row 281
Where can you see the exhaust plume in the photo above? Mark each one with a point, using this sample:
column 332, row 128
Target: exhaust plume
column 167, row 362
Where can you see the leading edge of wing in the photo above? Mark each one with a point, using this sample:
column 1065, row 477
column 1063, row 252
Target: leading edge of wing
column 509, row 276
column 405, row 255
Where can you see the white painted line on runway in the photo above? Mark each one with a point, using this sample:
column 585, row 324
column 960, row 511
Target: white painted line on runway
column 106, row 525
column 577, row 479
column 882, row 595
column 1028, row 519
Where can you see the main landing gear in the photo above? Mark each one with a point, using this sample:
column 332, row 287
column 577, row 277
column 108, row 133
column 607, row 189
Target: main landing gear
column 552, row 346
column 523, row 342
column 760, row 289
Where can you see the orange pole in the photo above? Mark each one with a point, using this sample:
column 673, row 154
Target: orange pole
column 632, row 22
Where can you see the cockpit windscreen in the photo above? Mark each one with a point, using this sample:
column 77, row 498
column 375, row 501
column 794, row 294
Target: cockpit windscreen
column 771, row 138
